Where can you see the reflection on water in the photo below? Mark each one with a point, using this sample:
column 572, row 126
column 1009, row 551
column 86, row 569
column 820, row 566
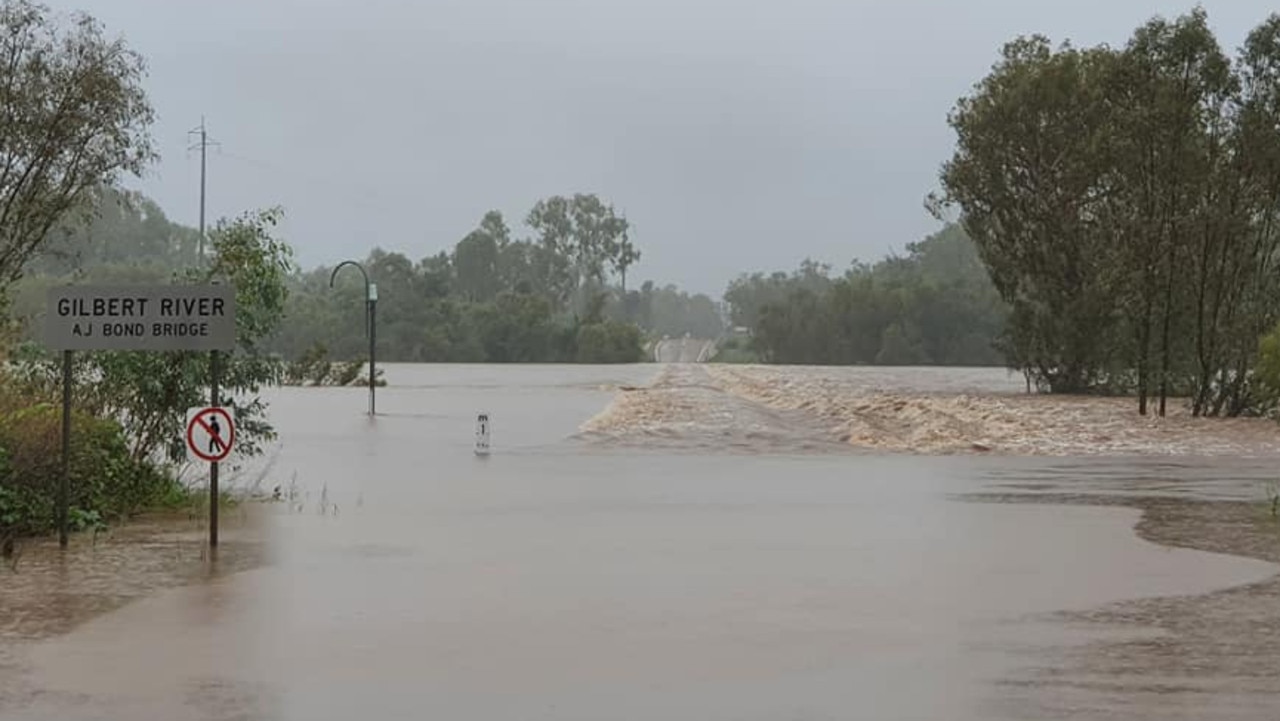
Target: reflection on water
column 1244, row 479
column 575, row 577
column 45, row 591
column 1206, row 655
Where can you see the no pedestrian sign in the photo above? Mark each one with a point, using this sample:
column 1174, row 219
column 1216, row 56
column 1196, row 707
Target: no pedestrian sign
column 211, row 434
column 141, row 317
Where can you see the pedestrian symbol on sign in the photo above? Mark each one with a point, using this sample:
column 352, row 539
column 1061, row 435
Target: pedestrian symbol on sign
column 215, row 433
column 211, row 434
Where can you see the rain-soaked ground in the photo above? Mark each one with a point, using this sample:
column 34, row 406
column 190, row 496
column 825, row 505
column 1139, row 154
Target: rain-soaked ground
column 722, row 557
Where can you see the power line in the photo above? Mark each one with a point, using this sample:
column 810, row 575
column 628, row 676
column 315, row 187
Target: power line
column 354, row 192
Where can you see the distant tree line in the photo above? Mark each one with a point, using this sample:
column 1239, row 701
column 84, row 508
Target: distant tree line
column 933, row 306
column 556, row 296
column 1126, row 202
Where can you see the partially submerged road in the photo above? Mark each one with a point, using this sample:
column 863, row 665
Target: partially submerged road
column 683, row 350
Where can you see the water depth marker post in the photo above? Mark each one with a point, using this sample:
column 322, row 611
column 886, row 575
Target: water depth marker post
column 156, row 318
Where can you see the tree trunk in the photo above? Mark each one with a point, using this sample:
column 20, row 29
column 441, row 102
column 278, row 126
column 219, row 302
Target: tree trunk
column 1205, row 344
column 1164, row 339
column 1144, row 343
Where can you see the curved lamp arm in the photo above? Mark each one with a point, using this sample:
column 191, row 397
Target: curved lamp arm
column 357, row 266
column 344, row 263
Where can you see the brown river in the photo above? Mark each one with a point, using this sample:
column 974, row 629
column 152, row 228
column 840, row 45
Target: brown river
column 717, row 558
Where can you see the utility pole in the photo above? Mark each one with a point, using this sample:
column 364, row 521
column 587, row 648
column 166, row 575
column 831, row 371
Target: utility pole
column 202, row 144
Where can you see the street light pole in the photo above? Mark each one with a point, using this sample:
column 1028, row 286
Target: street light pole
column 371, row 325
column 371, row 294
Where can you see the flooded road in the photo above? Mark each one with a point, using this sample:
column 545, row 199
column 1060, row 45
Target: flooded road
column 585, row 576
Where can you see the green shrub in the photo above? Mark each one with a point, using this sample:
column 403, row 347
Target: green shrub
column 736, row 350
column 105, row 482
column 345, row 374
column 1266, row 371
column 312, row 368
column 610, row 342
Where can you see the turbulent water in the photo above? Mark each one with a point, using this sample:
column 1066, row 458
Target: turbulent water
column 919, row 410
column 678, row 542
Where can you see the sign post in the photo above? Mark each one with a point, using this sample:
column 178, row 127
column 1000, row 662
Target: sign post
column 215, row 375
column 64, row 482
column 137, row 318
column 210, row 436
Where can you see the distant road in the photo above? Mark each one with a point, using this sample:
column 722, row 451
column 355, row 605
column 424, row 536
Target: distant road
column 683, row 350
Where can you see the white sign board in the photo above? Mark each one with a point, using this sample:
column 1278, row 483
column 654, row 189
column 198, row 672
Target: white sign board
column 141, row 317
column 210, row 434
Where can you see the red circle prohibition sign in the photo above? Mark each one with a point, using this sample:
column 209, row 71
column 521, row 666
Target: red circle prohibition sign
column 223, row 444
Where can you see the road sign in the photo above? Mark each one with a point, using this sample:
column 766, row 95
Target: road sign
column 211, row 434
column 141, row 317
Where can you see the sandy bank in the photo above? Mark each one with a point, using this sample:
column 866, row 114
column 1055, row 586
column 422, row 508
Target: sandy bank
column 1199, row 656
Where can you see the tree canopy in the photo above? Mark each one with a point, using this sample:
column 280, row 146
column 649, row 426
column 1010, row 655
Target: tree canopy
column 1126, row 203
column 934, row 306
column 73, row 118
column 546, row 298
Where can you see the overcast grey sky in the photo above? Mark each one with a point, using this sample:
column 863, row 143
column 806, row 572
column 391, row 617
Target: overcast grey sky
column 735, row 135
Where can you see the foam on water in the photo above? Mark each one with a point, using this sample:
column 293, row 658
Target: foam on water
column 910, row 410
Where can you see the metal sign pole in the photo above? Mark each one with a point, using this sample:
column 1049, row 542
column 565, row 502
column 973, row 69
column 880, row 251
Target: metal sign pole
column 214, row 371
column 64, row 483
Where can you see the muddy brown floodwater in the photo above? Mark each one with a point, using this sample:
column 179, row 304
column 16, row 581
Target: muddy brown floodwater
column 707, row 547
column 917, row 410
